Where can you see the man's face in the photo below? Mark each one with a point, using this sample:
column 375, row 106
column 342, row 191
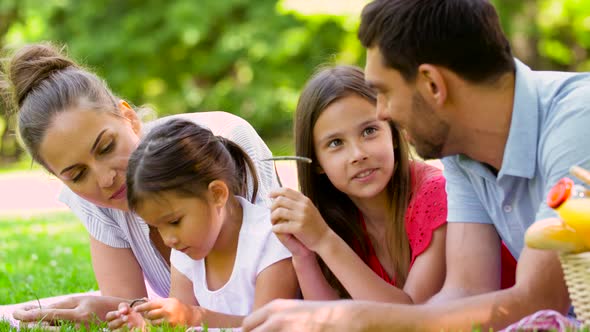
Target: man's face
column 401, row 102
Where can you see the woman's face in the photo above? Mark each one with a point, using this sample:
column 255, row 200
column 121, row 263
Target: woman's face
column 89, row 150
column 354, row 148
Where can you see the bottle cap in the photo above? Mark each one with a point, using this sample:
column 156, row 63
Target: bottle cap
column 560, row 192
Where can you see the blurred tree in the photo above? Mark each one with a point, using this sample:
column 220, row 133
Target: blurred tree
column 548, row 34
column 9, row 148
column 240, row 56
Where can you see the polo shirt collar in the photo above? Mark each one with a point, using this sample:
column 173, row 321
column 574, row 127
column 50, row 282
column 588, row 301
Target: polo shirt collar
column 520, row 154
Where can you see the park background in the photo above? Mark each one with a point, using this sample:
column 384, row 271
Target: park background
column 250, row 58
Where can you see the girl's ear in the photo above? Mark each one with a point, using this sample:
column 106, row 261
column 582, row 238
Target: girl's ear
column 128, row 112
column 219, row 193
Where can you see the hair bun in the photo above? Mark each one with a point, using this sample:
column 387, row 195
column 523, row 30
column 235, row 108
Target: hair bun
column 32, row 64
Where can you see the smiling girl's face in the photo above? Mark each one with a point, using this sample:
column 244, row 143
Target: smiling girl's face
column 354, row 148
column 88, row 151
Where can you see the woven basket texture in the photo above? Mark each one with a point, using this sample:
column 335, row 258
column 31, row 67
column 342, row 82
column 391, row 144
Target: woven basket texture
column 576, row 269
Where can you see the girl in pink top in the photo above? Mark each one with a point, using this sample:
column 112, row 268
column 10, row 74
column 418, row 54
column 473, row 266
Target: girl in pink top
column 426, row 212
column 368, row 223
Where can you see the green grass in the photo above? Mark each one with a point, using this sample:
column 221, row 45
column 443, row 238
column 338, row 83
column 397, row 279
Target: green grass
column 43, row 256
column 67, row 327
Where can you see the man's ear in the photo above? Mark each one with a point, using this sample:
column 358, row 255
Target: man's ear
column 129, row 113
column 219, row 193
column 431, row 83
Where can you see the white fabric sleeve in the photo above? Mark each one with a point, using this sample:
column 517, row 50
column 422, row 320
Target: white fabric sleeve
column 272, row 252
column 100, row 225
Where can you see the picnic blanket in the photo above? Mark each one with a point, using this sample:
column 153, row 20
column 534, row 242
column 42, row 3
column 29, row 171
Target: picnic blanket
column 544, row 320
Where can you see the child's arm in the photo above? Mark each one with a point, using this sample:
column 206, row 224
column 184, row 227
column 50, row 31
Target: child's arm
column 181, row 287
column 299, row 217
column 175, row 310
column 182, row 307
column 312, row 282
column 172, row 311
column 424, row 280
column 277, row 281
column 428, row 273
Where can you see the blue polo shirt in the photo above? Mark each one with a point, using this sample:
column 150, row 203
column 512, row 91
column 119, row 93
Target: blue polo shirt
column 549, row 132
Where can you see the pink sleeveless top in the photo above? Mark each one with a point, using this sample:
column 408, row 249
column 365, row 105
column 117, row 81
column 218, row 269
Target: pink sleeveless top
column 427, row 211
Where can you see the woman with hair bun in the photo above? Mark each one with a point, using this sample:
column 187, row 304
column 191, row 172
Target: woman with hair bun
column 72, row 124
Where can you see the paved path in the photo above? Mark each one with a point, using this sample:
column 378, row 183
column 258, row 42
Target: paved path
column 33, row 192
column 30, row 192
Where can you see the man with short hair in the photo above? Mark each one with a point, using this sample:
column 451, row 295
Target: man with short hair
column 444, row 71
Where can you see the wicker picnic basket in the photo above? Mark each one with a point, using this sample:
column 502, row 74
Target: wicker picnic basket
column 576, row 270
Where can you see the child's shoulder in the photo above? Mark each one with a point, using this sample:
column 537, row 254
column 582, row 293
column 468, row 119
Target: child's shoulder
column 255, row 219
column 426, row 176
column 257, row 243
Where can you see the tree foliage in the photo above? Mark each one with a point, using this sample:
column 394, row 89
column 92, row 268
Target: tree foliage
column 239, row 56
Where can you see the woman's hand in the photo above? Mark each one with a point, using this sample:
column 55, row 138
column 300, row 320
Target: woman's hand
column 292, row 213
column 78, row 309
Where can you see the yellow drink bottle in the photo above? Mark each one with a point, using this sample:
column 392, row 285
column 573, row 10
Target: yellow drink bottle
column 572, row 203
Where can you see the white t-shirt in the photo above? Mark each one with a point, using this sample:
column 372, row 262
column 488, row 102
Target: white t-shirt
column 258, row 248
column 120, row 229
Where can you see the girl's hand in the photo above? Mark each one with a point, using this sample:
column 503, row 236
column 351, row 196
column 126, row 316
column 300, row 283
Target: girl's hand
column 292, row 213
column 295, row 246
column 168, row 310
column 125, row 316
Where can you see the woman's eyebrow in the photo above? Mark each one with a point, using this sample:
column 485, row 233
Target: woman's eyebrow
column 96, row 141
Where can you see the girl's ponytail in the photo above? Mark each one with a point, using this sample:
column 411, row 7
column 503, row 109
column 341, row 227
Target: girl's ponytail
column 243, row 165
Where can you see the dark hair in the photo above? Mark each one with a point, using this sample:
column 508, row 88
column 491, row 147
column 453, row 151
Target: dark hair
column 464, row 36
column 325, row 87
column 43, row 82
column 183, row 157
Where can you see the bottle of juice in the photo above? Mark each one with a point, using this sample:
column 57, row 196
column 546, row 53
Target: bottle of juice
column 572, row 203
